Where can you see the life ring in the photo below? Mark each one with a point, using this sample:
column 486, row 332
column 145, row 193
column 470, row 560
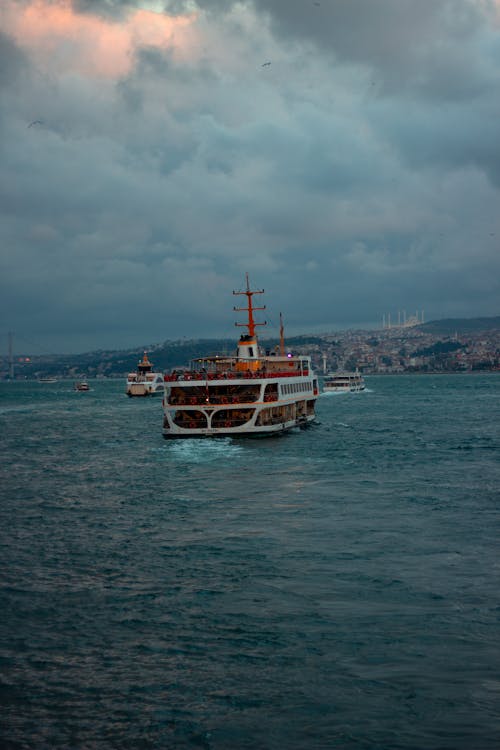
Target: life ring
column 224, row 400
column 227, row 424
column 192, row 425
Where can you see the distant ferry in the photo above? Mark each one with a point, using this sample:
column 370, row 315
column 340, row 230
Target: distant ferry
column 249, row 394
column 144, row 382
column 345, row 382
column 47, row 379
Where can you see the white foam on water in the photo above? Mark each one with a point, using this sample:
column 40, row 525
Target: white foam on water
column 199, row 451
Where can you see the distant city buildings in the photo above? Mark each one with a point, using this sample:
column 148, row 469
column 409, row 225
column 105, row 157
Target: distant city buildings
column 406, row 348
column 409, row 347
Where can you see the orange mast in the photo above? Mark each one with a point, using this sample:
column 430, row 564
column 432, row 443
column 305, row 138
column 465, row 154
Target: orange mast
column 250, row 324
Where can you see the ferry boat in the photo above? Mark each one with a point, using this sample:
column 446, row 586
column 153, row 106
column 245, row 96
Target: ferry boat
column 250, row 394
column 144, row 382
column 344, row 382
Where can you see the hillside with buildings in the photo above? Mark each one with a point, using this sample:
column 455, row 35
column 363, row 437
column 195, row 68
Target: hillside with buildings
column 453, row 345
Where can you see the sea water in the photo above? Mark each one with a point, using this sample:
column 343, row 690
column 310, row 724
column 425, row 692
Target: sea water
column 337, row 587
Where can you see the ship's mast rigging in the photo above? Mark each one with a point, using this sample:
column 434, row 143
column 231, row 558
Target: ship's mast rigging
column 250, row 324
column 282, row 337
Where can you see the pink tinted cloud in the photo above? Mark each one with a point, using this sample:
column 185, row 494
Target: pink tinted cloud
column 57, row 37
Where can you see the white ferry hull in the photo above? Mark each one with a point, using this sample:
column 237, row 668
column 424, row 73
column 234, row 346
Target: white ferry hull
column 349, row 389
column 239, row 432
column 217, row 407
column 144, row 389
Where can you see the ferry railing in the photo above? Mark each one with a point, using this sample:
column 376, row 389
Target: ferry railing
column 214, row 400
column 189, row 375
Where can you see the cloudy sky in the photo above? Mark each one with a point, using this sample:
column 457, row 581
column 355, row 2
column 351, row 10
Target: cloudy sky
column 346, row 153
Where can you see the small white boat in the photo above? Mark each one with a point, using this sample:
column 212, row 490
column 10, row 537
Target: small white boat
column 253, row 393
column 82, row 385
column 343, row 382
column 47, row 379
column 144, row 382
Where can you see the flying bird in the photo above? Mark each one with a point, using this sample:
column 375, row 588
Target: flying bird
column 35, row 122
column 266, row 64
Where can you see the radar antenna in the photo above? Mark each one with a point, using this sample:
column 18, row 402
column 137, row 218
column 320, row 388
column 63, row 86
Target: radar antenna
column 250, row 324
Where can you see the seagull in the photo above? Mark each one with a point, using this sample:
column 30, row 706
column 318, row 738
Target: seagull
column 266, row 64
column 35, row 122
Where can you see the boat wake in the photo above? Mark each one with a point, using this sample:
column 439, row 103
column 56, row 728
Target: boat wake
column 198, row 451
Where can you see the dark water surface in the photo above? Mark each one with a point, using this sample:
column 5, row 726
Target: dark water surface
column 333, row 588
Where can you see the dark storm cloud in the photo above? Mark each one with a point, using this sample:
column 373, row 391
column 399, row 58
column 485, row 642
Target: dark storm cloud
column 344, row 176
column 391, row 36
column 427, row 45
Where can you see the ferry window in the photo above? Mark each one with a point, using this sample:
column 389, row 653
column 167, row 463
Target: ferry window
column 250, row 351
